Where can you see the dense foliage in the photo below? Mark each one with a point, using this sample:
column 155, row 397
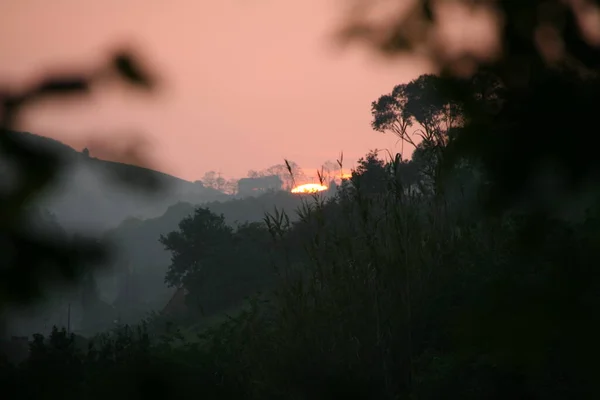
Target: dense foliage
column 381, row 292
column 466, row 272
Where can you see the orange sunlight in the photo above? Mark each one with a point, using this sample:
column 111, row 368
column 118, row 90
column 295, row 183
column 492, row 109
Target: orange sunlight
column 309, row 188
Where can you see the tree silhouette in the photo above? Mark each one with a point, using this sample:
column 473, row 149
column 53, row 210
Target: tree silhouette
column 534, row 85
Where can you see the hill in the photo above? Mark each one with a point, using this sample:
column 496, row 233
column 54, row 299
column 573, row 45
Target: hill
column 87, row 197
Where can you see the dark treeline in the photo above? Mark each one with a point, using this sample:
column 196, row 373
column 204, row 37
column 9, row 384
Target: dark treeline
column 466, row 271
column 403, row 284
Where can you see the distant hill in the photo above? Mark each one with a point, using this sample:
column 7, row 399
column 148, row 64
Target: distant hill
column 86, row 198
column 46, row 143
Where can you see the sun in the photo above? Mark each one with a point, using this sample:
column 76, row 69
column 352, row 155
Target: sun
column 309, row 188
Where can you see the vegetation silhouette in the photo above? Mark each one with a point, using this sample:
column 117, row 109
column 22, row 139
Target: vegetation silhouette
column 535, row 82
column 33, row 255
column 467, row 271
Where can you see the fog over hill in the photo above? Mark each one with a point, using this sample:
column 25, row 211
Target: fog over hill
column 86, row 196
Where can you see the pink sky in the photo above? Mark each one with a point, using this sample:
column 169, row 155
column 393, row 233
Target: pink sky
column 245, row 82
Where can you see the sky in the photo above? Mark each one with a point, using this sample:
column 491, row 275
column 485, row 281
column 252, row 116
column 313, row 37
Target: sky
column 243, row 83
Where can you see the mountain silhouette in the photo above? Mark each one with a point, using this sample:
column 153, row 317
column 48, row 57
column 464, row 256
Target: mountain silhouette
column 86, row 197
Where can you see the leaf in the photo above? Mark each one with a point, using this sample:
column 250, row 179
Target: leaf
column 428, row 13
column 131, row 71
column 66, row 85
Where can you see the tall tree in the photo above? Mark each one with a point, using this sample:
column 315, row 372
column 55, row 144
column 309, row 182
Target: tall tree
column 199, row 244
column 218, row 265
column 429, row 112
column 422, row 114
column 418, row 112
column 536, row 82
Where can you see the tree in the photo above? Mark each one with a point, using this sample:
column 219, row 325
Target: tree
column 254, row 174
column 428, row 114
column 85, row 152
column 259, row 185
column 408, row 173
column 231, row 186
column 330, row 170
column 371, row 175
column 220, row 183
column 289, row 173
column 210, row 179
column 289, row 176
column 218, row 265
column 416, row 113
column 56, row 363
column 196, row 246
column 215, row 180
column 534, row 83
column 419, row 113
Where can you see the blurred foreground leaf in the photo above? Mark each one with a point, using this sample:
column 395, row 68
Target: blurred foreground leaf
column 35, row 251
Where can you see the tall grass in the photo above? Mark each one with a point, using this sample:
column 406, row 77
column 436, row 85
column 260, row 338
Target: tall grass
column 399, row 294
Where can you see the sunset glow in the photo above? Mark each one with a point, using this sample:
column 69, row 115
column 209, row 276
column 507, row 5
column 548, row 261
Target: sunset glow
column 309, row 188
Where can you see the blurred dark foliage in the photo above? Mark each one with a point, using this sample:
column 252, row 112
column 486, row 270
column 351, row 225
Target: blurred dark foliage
column 33, row 255
column 547, row 119
column 388, row 293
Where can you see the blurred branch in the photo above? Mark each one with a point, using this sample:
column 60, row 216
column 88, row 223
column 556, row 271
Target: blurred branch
column 519, row 28
column 31, row 255
column 546, row 58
